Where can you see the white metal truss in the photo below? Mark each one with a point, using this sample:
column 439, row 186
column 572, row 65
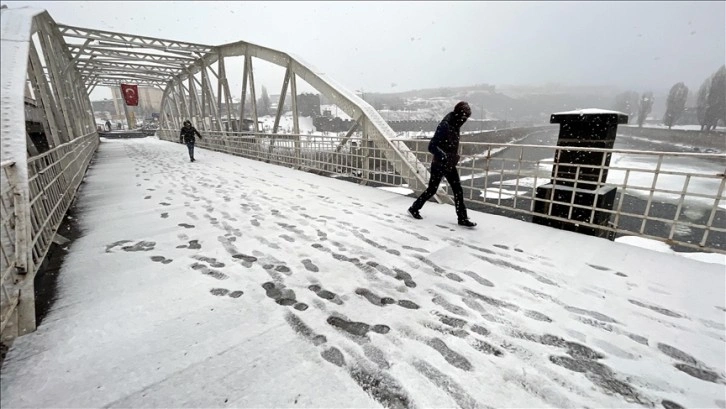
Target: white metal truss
column 184, row 70
column 109, row 58
column 43, row 91
column 50, row 69
column 54, row 68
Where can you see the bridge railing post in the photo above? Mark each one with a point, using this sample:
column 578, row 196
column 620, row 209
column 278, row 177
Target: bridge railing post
column 365, row 152
column 18, row 312
column 577, row 189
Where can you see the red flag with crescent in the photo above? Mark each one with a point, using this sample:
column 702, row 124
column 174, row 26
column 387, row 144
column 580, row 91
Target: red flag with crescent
column 131, row 94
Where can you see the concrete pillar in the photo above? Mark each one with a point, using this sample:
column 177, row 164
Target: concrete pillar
column 588, row 128
column 578, row 177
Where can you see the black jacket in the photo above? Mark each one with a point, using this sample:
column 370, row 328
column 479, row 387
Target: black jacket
column 187, row 134
column 445, row 143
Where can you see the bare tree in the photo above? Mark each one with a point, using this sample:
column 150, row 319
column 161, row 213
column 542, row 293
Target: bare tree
column 263, row 103
column 716, row 104
column 646, row 105
column 702, row 101
column 675, row 104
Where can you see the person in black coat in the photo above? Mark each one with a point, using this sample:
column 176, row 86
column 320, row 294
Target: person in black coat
column 445, row 148
column 187, row 136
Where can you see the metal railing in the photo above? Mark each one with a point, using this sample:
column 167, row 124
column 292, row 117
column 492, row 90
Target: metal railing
column 669, row 196
column 39, row 74
column 30, row 224
column 53, row 178
column 10, row 233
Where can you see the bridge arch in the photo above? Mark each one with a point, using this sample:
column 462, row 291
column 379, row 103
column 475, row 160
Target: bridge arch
column 49, row 134
column 180, row 101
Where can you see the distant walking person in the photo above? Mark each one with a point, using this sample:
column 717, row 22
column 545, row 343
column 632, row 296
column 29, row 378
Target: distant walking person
column 445, row 148
column 108, row 125
column 187, row 136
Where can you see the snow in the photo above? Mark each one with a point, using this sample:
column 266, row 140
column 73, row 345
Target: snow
column 664, row 248
column 489, row 153
column 305, row 123
column 590, row 111
column 400, row 190
column 684, row 146
column 679, row 127
column 137, row 322
column 414, row 135
column 464, row 178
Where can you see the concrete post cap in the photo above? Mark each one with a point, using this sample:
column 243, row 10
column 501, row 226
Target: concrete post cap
column 590, row 115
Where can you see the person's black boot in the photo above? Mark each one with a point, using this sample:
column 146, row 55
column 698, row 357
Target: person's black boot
column 466, row 223
column 414, row 213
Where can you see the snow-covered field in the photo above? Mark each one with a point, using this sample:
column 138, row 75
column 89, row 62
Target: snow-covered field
column 235, row 283
column 679, row 127
column 305, row 123
column 686, row 147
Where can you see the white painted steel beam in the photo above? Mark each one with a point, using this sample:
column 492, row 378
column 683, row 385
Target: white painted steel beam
column 130, row 53
column 35, row 59
column 253, row 94
column 147, row 42
column 243, row 98
column 293, row 97
column 281, row 102
column 231, row 115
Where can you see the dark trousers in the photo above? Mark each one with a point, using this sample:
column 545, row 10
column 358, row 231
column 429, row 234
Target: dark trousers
column 190, row 146
column 438, row 171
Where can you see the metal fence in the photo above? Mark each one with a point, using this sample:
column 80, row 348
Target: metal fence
column 10, row 234
column 53, row 178
column 30, row 224
column 37, row 189
column 669, row 196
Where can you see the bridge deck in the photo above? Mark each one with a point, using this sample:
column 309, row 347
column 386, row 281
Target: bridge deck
column 231, row 282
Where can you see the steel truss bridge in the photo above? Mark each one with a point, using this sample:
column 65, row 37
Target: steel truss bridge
column 54, row 67
column 49, row 70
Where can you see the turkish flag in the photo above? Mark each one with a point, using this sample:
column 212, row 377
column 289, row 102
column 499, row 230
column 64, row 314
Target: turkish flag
column 131, row 94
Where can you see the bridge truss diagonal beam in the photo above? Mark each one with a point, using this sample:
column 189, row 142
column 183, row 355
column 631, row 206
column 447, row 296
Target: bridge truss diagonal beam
column 183, row 70
column 104, row 52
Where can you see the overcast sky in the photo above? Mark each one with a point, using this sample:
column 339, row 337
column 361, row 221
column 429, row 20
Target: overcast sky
column 398, row 46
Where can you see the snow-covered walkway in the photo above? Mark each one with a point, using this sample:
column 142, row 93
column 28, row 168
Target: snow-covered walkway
column 234, row 283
